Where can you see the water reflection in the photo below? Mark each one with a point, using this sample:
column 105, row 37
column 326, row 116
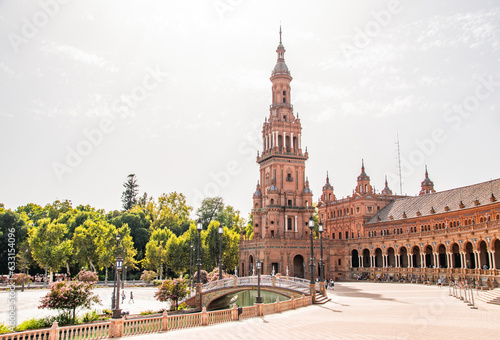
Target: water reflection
column 247, row 298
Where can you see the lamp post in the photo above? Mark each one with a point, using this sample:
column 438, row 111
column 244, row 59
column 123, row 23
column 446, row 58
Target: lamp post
column 113, row 300
column 258, row 299
column 199, row 227
column 117, row 313
column 311, row 226
column 161, row 266
column 191, row 264
column 25, row 267
column 221, row 231
column 321, row 264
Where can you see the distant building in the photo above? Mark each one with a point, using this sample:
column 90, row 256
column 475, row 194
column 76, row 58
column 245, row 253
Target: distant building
column 435, row 235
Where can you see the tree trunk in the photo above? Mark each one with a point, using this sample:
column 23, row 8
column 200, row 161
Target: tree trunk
column 67, row 269
column 106, row 276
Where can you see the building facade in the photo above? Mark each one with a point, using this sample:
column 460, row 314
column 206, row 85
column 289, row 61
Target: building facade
column 373, row 235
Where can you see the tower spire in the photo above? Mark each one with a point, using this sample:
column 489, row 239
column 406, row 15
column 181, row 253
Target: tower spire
column 280, row 32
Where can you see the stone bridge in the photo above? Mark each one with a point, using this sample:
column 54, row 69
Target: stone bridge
column 225, row 289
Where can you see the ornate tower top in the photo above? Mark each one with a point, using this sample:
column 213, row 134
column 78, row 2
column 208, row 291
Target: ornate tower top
column 427, row 184
column 386, row 190
column 364, row 186
column 281, row 68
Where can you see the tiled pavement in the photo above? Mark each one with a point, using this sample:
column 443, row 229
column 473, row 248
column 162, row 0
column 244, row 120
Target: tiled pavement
column 358, row 310
column 361, row 310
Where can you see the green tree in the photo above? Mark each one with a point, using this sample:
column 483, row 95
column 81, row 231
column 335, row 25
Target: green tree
column 11, row 223
column 68, row 296
column 159, row 238
column 129, row 195
column 49, row 245
column 139, row 228
column 211, row 209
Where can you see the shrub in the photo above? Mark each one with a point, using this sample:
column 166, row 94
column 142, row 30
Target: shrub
column 203, row 276
column 90, row 316
column 183, row 306
column 62, row 319
column 157, row 282
column 5, row 329
column 107, row 312
column 17, row 279
column 148, row 276
column 214, row 275
column 148, row 312
column 33, row 324
column 87, row 276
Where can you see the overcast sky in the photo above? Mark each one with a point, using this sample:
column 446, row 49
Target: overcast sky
column 176, row 92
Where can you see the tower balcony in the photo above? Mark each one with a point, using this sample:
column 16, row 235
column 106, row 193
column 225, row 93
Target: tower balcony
column 283, row 153
column 278, row 105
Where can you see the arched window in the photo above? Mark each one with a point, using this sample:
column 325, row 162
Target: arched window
column 366, row 187
column 284, row 96
column 272, row 200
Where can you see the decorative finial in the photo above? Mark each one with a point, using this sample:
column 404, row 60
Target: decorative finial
column 280, row 32
column 426, row 173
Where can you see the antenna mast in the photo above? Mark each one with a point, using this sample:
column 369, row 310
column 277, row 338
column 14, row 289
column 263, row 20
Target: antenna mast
column 399, row 166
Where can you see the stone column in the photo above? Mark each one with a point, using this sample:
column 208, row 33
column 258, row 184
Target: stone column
column 291, row 142
column 286, row 223
column 410, row 261
column 300, row 146
column 295, row 227
column 493, row 264
column 463, row 260
column 476, row 256
column 360, row 260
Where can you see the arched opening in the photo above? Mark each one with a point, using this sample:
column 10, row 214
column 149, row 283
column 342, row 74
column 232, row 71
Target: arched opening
column 295, row 145
column 284, row 96
column 470, row 261
column 378, row 258
column 484, row 259
column 280, row 142
column 287, row 141
column 298, row 266
column 429, row 259
column 417, row 263
column 443, row 260
column 391, row 257
column 496, row 247
column 366, row 258
column 403, row 257
column 250, row 265
column 355, row 258
column 289, row 224
column 457, row 260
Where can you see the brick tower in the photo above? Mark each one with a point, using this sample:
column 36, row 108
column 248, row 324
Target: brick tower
column 282, row 203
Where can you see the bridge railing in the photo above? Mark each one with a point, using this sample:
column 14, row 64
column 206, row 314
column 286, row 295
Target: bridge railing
column 292, row 283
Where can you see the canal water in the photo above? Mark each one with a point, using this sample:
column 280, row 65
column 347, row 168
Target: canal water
column 247, row 297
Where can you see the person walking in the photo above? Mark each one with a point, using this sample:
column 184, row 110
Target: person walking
column 123, row 296
column 131, row 297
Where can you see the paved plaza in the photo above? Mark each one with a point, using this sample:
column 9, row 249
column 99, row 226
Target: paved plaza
column 358, row 310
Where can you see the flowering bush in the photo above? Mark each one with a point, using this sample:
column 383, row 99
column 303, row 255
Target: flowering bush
column 67, row 296
column 172, row 290
column 203, row 276
column 17, row 279
column 214, row 275
column 148, row 276
column 87, row 276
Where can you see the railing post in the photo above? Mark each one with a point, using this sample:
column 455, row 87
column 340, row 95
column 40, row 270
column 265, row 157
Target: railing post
column 277, row 308
column 235, row 281
column 204, row 316
column 273, row 281
column 293, row 302
column 234, row 313
column 199, row 295
column 260, row 309
column 164, row 321
column 116, row 328
column 53, row 333
column 312, row 289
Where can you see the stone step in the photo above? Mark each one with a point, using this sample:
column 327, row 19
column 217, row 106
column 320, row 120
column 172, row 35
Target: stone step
column 491, row 296
column 320, row 299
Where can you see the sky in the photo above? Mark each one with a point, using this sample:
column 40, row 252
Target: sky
column 176, row 92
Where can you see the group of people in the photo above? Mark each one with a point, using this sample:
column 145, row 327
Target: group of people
column 329, row 284
column 130, row 300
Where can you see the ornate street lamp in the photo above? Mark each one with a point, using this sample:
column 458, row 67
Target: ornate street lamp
column 199, row 227
column 221, row 231
column 321, row 264
column 25, row 267
column 258, row 264
column 114, row 283
column 117, row 313
column 161, row 266
column 191, row 265
column 311, row 226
